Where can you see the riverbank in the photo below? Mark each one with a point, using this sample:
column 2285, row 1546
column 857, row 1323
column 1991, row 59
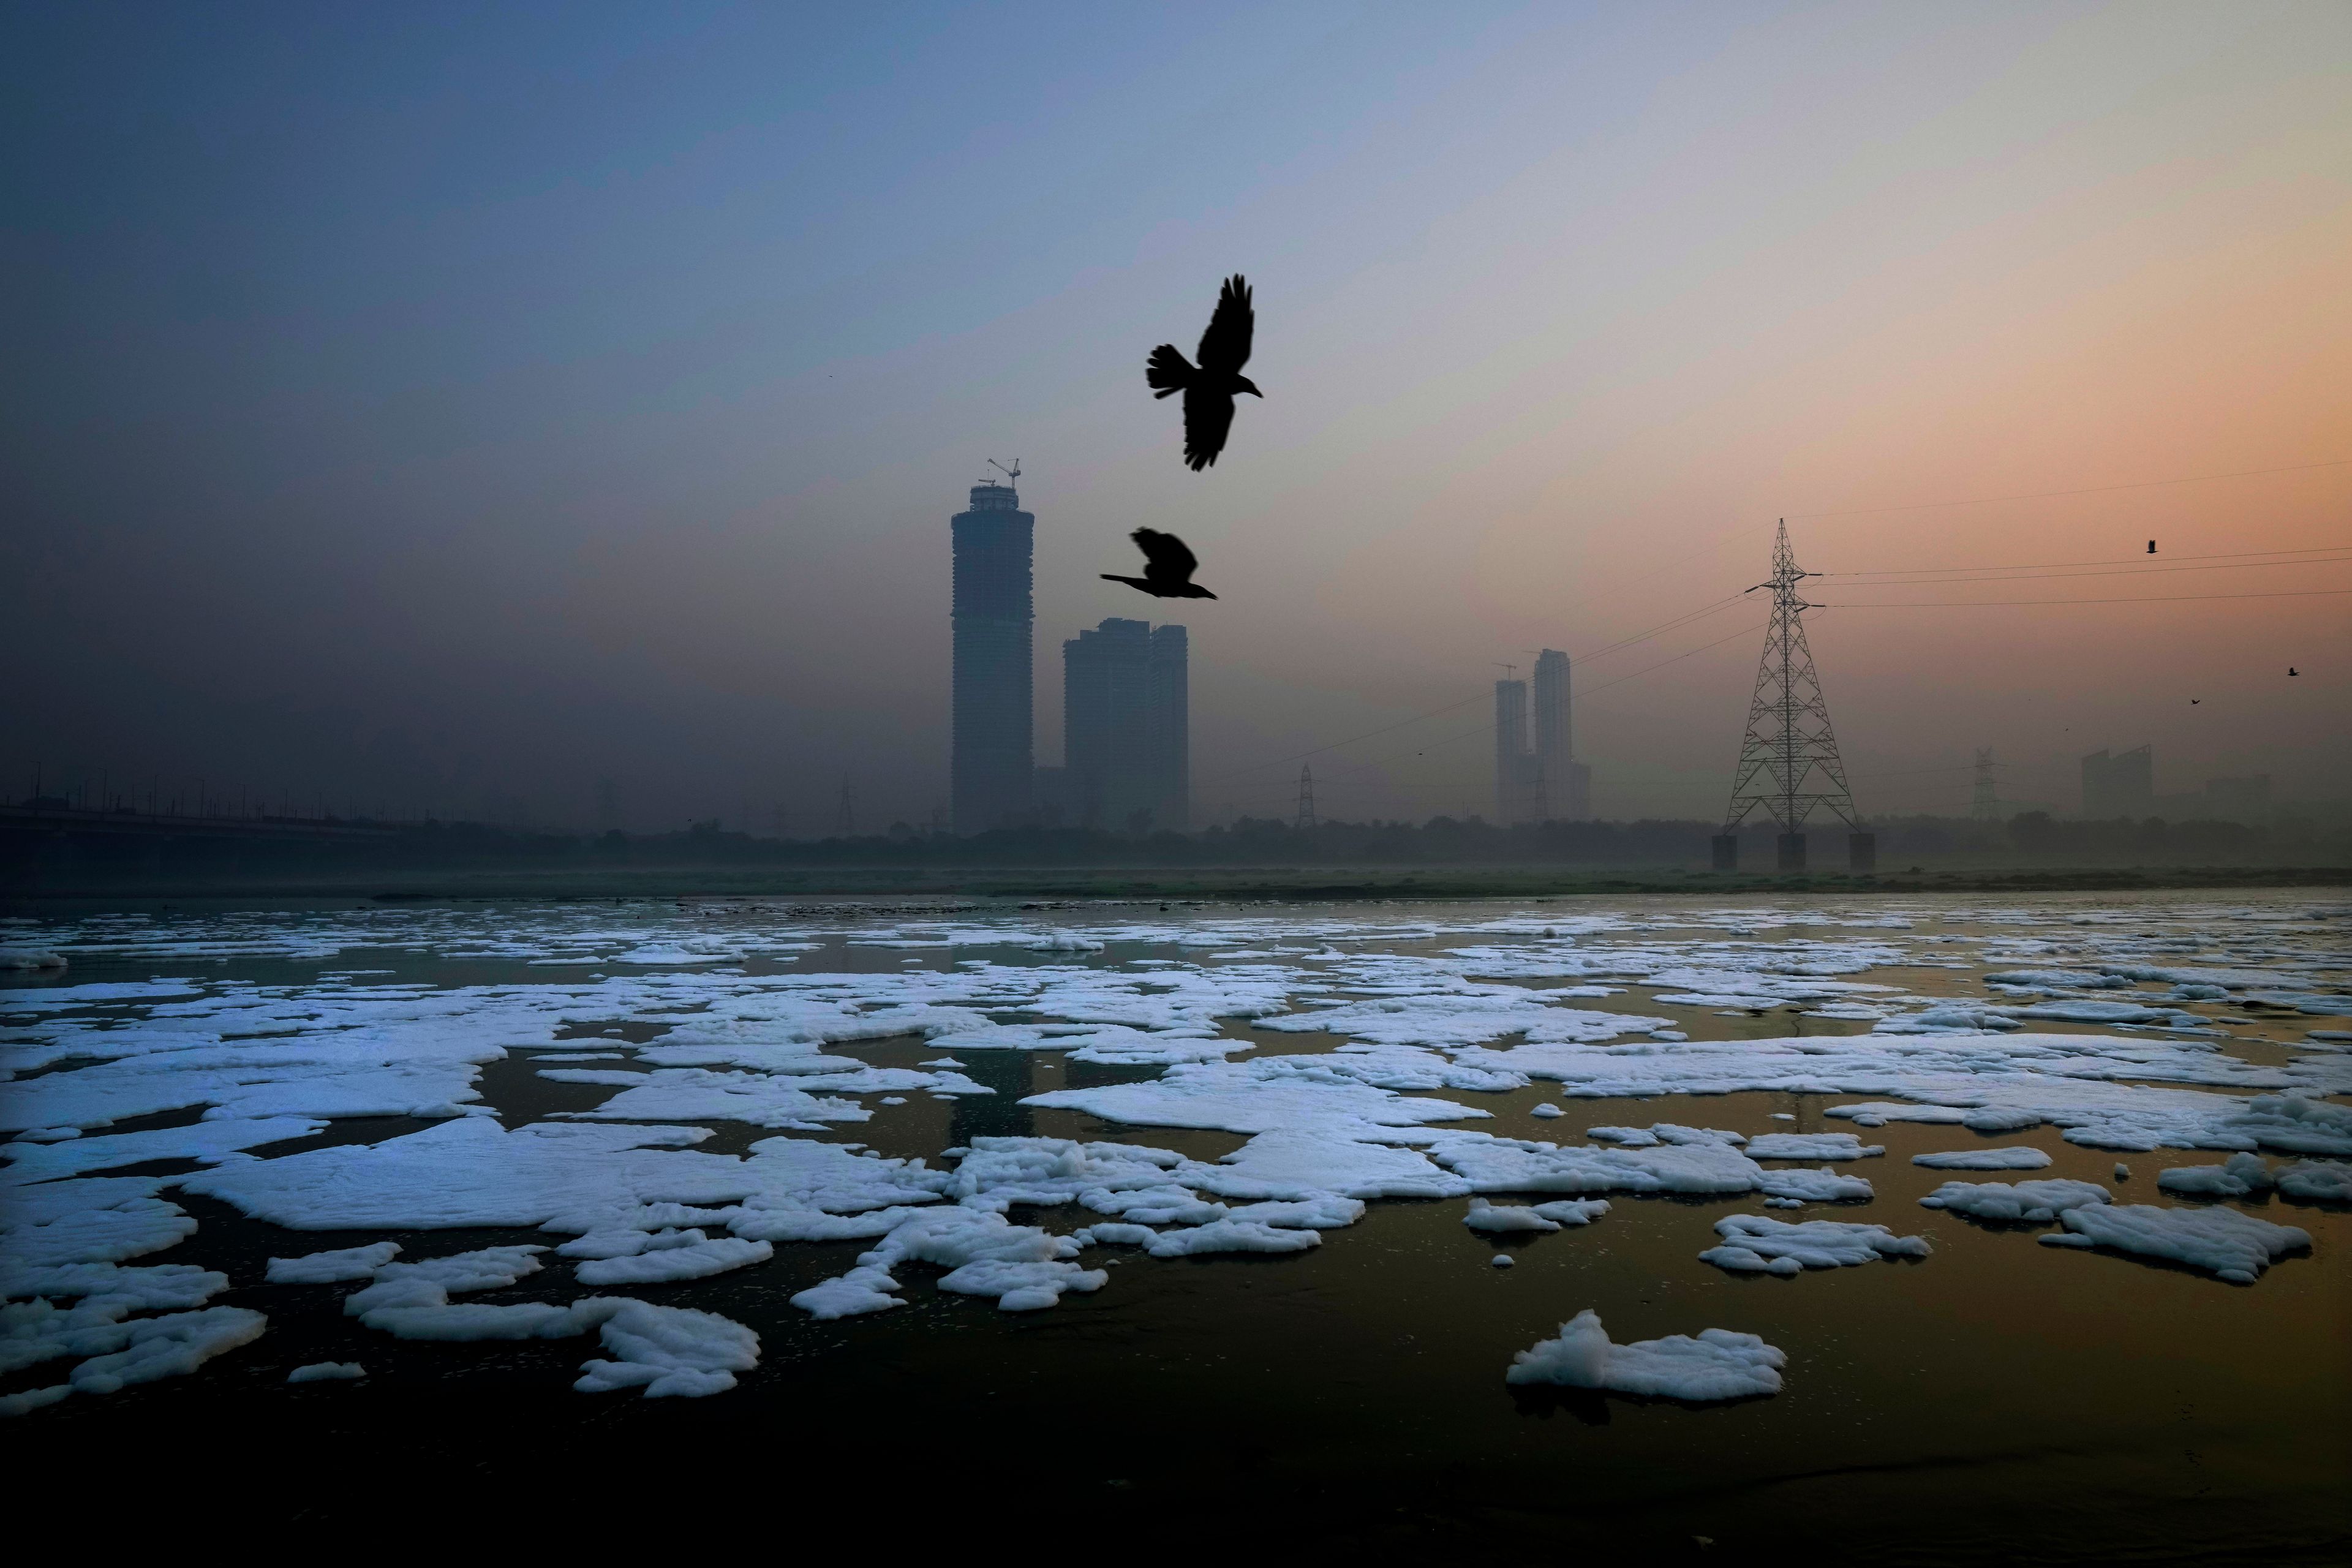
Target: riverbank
column 1244, row 884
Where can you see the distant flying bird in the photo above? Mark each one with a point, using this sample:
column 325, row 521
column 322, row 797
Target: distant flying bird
column 2195, row 700
column 2292, row 670
column 1168, row 567
column 1210, row 387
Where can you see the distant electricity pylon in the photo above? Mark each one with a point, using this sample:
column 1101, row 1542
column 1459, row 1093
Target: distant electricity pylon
column 848, row 825
column 1789, row 759
column 1985, row 803
column 1306, row 797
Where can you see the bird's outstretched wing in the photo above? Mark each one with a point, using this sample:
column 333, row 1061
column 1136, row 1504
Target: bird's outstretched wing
column 1208, row 419
column 1164, row 555
column 1225, row 346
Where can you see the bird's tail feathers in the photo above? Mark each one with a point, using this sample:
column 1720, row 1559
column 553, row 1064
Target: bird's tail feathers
column 1168, row 371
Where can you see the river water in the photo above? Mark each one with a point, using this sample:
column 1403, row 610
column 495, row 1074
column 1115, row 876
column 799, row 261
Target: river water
column 258, row 1068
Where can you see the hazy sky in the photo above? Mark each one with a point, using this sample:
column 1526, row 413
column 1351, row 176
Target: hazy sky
column 457, row 405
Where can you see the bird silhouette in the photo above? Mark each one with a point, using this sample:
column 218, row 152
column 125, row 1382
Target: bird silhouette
column 1168, row 567
column 2292, row 670
column 1211, row 386
column 2151, row 547
column 2195, row 700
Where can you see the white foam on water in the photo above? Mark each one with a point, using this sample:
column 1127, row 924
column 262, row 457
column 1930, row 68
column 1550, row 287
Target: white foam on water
column 1718, row 1364
column 121, row 1354
column 2230, row 1245
column 2317, row 1182
column 327, row 1372
column 2017, row 1158
column 1500, row 1220
column 214, row 1140
column 1326, row 1131
column 431, row 1281
column 2025, row 1203
column 328, row 1268
column 1812, row 1146
column 676, row 1255
column 857, row 1292
column 1755, row 1245
column 150, row 1286
column 2235, row 1177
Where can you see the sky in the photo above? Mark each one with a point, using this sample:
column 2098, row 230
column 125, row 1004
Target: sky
column 451, row 407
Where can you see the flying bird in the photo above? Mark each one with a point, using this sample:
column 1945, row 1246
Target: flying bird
column 2195, row 700
column 1168, row 567
column 2292, row 670
column 1211, row 386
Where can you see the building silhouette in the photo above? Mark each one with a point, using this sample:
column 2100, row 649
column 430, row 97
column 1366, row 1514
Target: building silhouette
column 1565, row 785
column 2238, row 800
column 1515, row 783
column 2120, row 786
column 1544, row 781
column 993, row 616
column 1126, row 735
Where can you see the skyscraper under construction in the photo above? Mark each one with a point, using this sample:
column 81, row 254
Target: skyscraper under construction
column 1546, row 783
column 993, row 616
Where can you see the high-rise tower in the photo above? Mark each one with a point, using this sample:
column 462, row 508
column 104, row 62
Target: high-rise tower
column 1545, row 784
column 1566, row 784
column 993, row 755
column 1514, row 769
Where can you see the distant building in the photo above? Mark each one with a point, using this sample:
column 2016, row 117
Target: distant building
column 993, row 749
column 1515, row 767
column 1544, row 782
column 1049, row 797
column 1564, row 784
column 1126, row 727
column 2119, row 785
column 2238, row 800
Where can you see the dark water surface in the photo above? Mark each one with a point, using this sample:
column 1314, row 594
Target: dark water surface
column 1996, row 1400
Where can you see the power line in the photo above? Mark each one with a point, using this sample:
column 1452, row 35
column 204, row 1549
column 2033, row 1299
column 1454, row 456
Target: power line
column 1580, row 695
column 2109, row 561
column 1743, row 530
column 2002, row 575
column 1680, row 620
column 2132, row 599
column 2086, row 491
column 1700, row 614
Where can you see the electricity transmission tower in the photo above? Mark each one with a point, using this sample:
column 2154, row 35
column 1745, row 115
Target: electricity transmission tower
column 1984, row 804
column 1306, row 797
column 1789, row 759
column 848, row 825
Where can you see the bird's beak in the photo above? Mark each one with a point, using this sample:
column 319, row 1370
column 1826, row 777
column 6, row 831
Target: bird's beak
column 1251, row 387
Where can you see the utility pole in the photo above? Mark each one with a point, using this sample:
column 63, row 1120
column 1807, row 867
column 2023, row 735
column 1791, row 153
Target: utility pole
column 1789, row 740
column 1306, row 817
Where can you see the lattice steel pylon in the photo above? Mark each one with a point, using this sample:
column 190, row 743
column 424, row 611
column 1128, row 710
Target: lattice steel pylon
column 1984, row 803
column 1789, row 759
column 1306, row 817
